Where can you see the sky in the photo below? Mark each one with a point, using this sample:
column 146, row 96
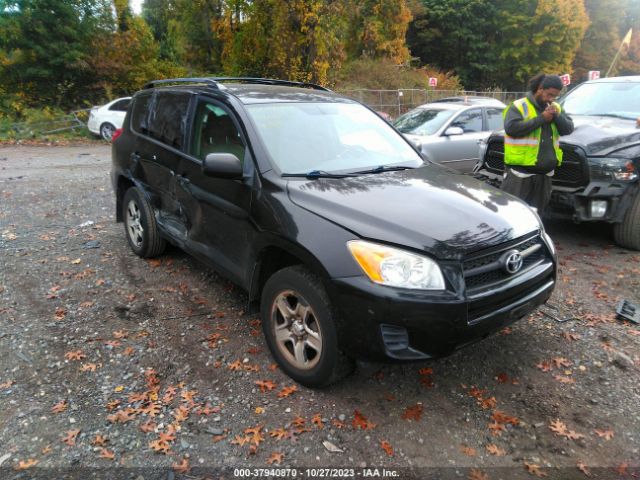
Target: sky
column 136, row 6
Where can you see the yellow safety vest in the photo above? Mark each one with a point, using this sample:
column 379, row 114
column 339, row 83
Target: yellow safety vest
column 524, row 150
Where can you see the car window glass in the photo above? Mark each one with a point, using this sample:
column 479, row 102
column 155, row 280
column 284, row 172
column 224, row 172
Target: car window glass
column 215, row 132
column 139, row 114
column 120, row 106
column 168, row 118
column 470, row 121
column 301, row 137
column 494, row 119
column 423, row 121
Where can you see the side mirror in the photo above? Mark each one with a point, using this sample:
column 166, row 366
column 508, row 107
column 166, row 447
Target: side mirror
column 453, row 131
column 222, row 165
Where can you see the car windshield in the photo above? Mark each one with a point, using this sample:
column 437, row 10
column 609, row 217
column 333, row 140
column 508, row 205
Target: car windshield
column 621, row 99
column 423, row 121
column 329, row 137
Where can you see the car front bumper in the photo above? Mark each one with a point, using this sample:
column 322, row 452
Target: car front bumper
column 378, row 322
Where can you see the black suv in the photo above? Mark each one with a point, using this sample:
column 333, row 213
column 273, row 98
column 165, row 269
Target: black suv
column 598, row 178
column 349, row 243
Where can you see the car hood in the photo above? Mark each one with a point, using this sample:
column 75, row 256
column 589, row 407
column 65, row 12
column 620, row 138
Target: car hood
column 599, row 135
column 426, row 208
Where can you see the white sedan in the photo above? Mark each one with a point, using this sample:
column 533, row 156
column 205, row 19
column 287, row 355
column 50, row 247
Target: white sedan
column 105, row 120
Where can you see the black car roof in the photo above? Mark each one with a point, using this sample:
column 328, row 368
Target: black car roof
column 253, row 92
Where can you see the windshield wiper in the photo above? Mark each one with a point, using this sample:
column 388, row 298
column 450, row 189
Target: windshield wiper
column 320, row 174
column 385, row 168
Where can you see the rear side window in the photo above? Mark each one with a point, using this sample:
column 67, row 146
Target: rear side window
column 494, row 119
column 162, row 116
column 121, row 105
column 168, row 118
column 140, row 114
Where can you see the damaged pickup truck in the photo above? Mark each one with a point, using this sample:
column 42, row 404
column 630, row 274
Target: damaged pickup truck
column 598, row 178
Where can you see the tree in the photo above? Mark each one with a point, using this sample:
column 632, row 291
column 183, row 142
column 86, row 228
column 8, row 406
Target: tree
column 602, row 38
column 47, row 44
column 501, row 42
column 378, row 29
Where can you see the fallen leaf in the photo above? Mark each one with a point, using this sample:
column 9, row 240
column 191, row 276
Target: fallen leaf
column 564, row 379
column 317, row 421
column 122, row 416
column 545, row 366
column 265, row 385
column 606, row 434
column 159, row 447
column 468, row 451
column 279, row 433
column 413, row 413
column 88, row 367
column 60, row 407
column 182, row 467
column 60, row 313
column 558, row 427
column 6, row 384
column 496, row 428
column 120, row 334
column 286, row 391
column 495, row 450
column 241, row 440
column 259, row 410
column 276, row 457
column 583, row 468
column 23, row 465
column 237, row 365
column 561, row 362
column 476, row 474
column 337, row 423
column 502, row 378
column 108, row 454
column 70, row 437
column 360, row 421
column 489, row 403
column 501, row 417
column 148, row 427
column 386, row 446
column 534, row 469
column 76, row 261
column 99, row 441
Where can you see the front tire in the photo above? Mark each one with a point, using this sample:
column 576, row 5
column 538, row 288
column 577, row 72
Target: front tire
column 106, row 131
column 299, row 326
column 140, row 225
column 627, row 233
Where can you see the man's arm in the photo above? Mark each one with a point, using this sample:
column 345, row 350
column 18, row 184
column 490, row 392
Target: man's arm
column 516, row 126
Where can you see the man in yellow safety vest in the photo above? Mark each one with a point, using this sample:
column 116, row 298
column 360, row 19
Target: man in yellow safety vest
column 533, row 126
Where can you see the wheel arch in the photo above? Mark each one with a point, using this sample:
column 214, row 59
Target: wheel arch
column 273, row 257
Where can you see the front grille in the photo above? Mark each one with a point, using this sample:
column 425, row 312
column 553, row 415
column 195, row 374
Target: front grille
column 484, row 268
column 573, row 172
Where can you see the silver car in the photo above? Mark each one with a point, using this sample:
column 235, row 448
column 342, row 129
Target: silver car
column 450, row 132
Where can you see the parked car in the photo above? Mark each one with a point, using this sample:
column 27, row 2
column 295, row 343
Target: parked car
column 449, row 132
column 598, row 178
column 105, row 120
column 472, row 99
column 347, row 242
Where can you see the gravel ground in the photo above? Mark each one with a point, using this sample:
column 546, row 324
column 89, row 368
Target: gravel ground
column 116, row 367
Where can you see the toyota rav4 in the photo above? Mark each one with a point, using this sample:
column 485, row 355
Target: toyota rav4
column 345, row 238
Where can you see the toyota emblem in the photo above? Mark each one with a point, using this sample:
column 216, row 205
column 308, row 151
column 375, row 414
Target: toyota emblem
column 512, row 261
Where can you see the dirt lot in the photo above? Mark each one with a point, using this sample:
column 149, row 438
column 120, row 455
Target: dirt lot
column 113, row 366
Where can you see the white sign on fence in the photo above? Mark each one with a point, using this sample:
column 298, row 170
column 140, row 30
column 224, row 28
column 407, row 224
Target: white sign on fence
column 566, row 79
column 593, row 74
column 433, row 82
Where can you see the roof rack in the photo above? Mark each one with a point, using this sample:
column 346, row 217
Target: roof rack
column 215, row 82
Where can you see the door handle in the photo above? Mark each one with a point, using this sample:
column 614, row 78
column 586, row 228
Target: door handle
column 135, row 156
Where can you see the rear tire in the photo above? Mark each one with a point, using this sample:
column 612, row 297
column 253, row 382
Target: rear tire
column 106, row 131
column 627, row 233
column 299, row 326
column 140, row 225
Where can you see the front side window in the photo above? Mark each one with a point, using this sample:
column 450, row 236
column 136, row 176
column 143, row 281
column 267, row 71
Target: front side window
column 423, row 121
column 470, row 121
column 331, row 137
column 215, row 132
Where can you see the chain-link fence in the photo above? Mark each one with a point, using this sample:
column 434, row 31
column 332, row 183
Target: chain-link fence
column 397, row 102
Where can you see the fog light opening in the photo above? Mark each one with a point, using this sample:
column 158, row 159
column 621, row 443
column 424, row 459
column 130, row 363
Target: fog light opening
column 598, row 208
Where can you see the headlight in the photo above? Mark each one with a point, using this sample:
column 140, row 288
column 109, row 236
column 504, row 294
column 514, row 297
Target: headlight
column 619, row 168
column 396, row 268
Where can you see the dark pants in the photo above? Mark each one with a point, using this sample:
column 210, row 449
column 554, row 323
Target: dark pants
column 535, row 190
